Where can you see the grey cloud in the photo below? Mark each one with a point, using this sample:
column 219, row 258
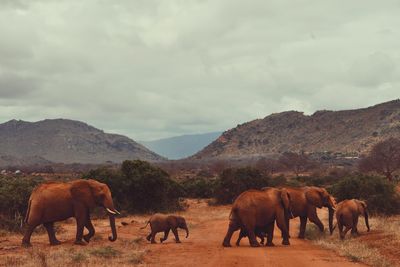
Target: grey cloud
column 152, row 69
column 14, row 86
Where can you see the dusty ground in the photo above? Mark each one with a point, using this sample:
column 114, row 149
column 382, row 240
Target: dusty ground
column 203, row 247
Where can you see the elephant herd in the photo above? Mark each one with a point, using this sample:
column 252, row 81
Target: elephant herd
column 254, row 212
column 56, row 201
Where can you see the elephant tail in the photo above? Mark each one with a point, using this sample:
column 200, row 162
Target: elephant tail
column 145, row 225
column 28, row 211
column 233, row 216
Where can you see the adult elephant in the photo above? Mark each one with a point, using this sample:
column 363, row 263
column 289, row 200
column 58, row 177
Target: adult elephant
column 57, row 201
column 304, row 204
column 259, row 209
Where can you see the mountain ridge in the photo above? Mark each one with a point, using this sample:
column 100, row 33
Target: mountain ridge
column 351, row 131
column 67, row 141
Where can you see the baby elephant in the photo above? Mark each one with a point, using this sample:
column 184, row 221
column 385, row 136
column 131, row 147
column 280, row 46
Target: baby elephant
column 165, row 223
column 260, row 233
column 347, row 213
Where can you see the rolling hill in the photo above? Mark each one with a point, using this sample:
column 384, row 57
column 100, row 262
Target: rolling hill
column 348, row 132
column 65, row 141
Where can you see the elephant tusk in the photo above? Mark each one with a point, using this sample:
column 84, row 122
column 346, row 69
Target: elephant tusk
column 113, row 211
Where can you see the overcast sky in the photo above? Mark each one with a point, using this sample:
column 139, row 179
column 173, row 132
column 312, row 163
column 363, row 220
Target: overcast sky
column 150, row 69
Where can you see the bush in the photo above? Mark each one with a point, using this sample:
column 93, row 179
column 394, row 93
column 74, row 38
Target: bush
column 320, row 181
column 278, row 181
column 232, row 182
column 199, row 187
column 14, row 196
column 379, row 193
column 139, row 186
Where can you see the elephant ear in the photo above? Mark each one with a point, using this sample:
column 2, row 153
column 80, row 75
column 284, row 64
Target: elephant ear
column 362, row 206
column 285, row 199
column 314, row 196
column 81, row 193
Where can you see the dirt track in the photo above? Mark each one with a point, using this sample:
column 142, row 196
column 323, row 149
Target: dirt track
column 203, row 247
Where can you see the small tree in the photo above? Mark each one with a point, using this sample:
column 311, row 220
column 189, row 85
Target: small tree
column 296, row 162
column 139, row 186
column 384, row 158
column 233, row 181
column 14, row 196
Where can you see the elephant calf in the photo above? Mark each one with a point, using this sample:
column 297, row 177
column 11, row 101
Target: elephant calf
column 260, row 233
column 347, row 213
column 165, row 223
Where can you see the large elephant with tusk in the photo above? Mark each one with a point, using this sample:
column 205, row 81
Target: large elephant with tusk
column 56, row 201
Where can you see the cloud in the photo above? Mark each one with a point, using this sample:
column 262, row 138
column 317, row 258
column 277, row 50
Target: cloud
column 152, row 69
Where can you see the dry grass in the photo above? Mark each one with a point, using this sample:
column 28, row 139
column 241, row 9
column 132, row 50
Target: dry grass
column 377, row 248
column 136, row 257
column 129, row 255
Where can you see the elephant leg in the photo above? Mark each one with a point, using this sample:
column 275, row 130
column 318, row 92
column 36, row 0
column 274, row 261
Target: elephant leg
column 153, row 237
column 26, row 241
column 81, row 219
column 288, row 225
column 303, row 224
column 354, row 230
column 261, row 236
column 50, row 232
column 345, row 231
column 241, row 235
column 281, row 222
column 340, row 227
column 90, row 228
column 249, row 225
column 270, row 234
column 251, row 235
column 165, row 236
column 176, row 235
column 231, row 229
column 312, row 215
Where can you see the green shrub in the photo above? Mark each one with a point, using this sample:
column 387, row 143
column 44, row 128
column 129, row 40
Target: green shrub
column 232, row 182
column 379, row 193
column 139, row 186
column 278, row 181
column 14, row 196
column 199, row 187
column 320, row 181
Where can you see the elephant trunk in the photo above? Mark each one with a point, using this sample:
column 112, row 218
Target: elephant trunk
column 366, row 219
column 331, row 213
column 113, row 229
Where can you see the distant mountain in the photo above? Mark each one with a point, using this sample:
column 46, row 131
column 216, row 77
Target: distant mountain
column 350, row 132
column 65, row 141
column 181, row 146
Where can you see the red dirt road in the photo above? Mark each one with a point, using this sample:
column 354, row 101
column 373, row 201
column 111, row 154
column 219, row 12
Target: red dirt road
column 207, row 227
column 204, row 247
